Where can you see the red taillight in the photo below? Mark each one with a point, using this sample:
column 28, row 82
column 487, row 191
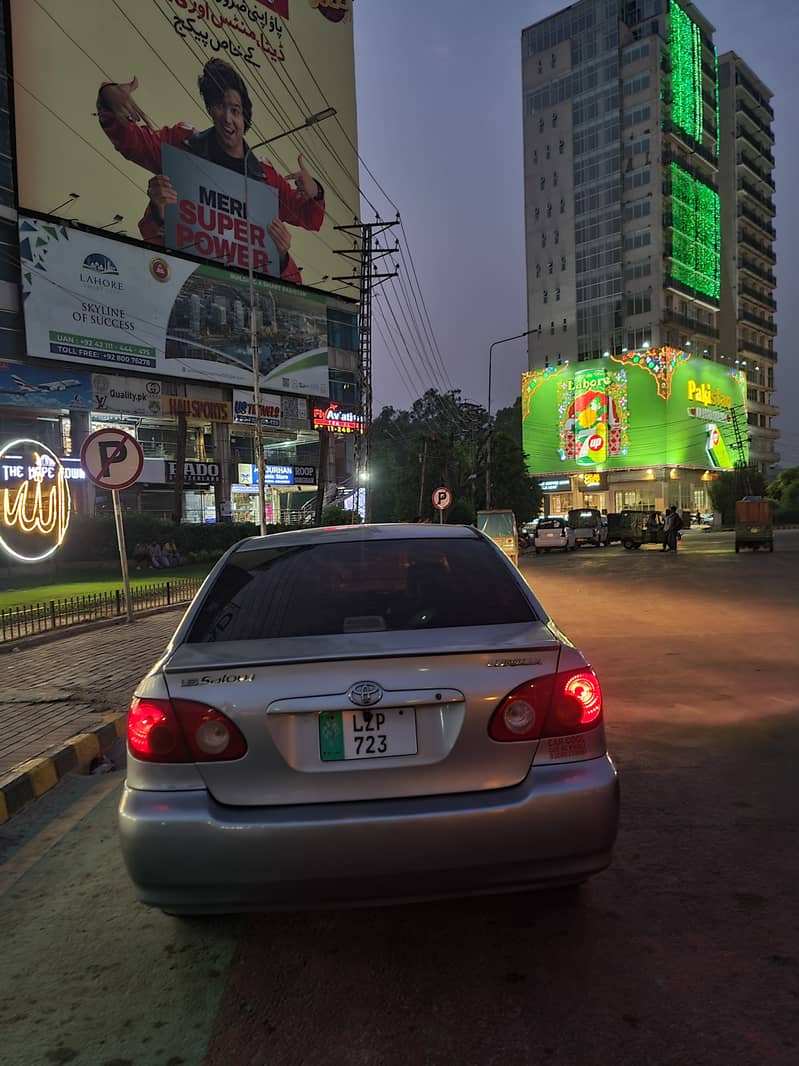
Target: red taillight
column 555, row 705
column 177, row 731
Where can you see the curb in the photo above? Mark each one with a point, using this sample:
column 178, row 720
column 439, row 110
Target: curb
column 33, row 778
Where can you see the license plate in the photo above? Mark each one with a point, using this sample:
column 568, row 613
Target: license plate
column 367, row 734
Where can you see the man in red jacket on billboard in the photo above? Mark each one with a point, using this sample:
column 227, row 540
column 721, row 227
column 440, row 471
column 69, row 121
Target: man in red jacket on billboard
column 228, row 103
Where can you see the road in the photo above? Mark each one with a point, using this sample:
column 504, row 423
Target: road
column 686, row 951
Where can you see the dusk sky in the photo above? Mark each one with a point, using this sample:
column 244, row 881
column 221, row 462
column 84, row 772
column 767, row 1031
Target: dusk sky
column 440, row 126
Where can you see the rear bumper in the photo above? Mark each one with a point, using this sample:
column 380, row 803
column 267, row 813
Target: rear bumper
column 185, row 852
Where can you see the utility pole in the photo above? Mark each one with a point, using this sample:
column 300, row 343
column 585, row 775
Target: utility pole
column 740, row 447
column 364, row 252
column 423, row 460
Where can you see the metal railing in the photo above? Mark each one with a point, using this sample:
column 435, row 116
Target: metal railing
column 48, row 615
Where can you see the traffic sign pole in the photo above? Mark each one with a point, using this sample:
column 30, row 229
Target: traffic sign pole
column 114, row 460
column 442, row 498
column 123, row 555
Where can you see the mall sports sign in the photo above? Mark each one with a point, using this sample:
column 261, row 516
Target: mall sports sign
column 660, row 407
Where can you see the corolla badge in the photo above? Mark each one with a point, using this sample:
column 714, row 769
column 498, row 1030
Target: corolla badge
column 365, row 694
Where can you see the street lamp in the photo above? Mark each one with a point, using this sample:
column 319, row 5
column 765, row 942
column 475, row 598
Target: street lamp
column 311, row 120
column 504, row 340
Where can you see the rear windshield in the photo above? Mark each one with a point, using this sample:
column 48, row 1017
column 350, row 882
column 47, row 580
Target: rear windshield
column 347, row 587
column 497, row 525
column 551, row 523
column 582, row 519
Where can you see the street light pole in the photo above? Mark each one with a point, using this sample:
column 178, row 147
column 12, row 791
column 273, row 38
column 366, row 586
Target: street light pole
column 504, row 340
column 311, row 120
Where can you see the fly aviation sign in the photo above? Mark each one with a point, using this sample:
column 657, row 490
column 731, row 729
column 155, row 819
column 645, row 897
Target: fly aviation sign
column 34, row 501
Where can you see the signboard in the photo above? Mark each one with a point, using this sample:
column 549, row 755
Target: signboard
column 275, row 474
column 442, row 498
column 334, row 419
column 244, row 408
column 213, row 214
column 651, row 408
column 194, row 472
column 197, row 409
column 294, row 58
column 112, row 458
column 34, row 501
column 555, row 484
column 44, row 388
column 95, row 302
column 126, row 395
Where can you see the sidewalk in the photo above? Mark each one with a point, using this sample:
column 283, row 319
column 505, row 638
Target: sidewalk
column 64, row 701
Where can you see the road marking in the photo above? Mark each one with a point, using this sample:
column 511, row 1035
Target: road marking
column 16, row 867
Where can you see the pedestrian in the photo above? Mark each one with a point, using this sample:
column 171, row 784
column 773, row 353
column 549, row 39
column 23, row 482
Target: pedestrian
column 672, row 525
column 668, row 522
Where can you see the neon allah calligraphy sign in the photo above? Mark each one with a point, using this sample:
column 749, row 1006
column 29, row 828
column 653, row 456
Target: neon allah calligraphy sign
column 34, row 501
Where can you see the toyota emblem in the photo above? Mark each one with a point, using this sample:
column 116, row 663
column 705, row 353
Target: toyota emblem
column 365, row 694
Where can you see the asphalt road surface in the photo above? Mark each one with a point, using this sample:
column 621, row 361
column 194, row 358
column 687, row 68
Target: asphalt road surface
column 686, row 951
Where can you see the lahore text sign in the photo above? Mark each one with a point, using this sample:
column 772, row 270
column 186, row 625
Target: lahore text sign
column 295, row 58
column 660, row 407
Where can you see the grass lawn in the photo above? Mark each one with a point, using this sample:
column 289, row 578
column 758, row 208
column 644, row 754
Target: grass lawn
column 87, row 580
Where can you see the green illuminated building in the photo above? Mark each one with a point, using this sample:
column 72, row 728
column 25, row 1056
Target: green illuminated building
column 624, row 207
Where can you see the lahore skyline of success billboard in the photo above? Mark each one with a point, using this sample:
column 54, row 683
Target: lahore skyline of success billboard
column 660, row 407
column 156, row 120
column 111, row 306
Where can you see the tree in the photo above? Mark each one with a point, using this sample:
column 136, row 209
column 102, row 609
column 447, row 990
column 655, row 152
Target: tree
column 510, row 485
column 732, row 485
column 442, row 441
column 509, row 421
column 784, row 492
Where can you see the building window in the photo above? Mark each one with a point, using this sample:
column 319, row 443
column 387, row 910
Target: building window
column 543, row 240
column 535, row 155
column 562, row 205
column 561, row 146
column 547, row 152
column 543, row 182
column 546, row 295
column 564, row 325
column 557, row 294
column 563, row 262
column 538, row 270
column 552, row 330
column 537, row 213
column 557, row 236
column 549, row 268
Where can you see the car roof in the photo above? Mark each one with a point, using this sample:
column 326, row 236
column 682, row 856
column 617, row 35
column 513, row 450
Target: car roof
column 360, row 534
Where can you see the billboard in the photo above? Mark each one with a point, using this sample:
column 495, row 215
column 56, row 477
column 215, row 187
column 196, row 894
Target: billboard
column 44, row 388
column 148, row 137
column 649, row 408
column 116, row 306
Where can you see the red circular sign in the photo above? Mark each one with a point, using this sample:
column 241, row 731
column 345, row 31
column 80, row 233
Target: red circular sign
column 112, row 458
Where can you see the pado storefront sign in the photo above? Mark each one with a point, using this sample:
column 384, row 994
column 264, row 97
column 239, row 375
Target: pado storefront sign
column 34, row 500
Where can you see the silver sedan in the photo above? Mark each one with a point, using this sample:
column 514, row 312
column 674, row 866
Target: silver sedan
column 360, row 714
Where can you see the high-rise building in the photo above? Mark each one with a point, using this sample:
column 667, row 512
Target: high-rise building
column 621, row 173
column 746, row 185
column 623, row 198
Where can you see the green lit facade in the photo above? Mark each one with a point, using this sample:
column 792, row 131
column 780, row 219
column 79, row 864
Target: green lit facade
column 696, row 233
column 685, row 40
column 695, row 211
